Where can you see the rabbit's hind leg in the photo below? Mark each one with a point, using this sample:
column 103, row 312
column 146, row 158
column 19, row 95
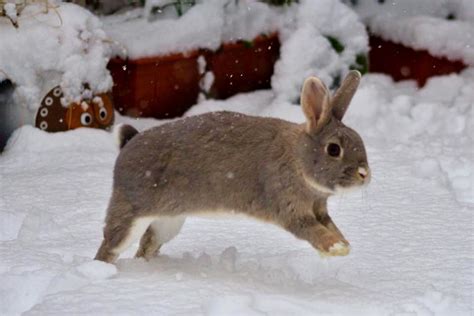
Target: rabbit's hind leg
column 159, row 232
column 119, row 235
column 149, row 245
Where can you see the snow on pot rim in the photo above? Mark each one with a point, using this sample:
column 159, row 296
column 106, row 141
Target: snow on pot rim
column 204, row 26
column 452, row 39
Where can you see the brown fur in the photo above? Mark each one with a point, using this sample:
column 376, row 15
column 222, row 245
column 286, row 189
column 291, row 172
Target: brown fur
column 267, row 168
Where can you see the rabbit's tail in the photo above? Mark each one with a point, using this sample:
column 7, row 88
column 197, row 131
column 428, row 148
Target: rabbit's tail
column 124, row 133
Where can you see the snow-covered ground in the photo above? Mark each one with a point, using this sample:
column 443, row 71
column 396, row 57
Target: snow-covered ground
column 411, row 230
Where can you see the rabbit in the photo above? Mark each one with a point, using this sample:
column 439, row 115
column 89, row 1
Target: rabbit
column 269, row 169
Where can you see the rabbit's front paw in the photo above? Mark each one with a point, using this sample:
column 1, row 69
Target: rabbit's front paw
column 335, row 248
column 339, row 249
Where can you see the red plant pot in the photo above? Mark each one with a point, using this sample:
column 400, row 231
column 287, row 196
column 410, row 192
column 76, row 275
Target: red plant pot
column 402, row 62
column 243, row 66
column 167, row 86
column 160, row 87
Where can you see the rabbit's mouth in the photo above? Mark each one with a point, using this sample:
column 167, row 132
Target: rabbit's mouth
column 349, row 181
column 353, row 181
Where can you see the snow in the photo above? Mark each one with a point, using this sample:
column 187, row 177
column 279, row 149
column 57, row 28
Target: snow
column 207, row 78
column 65, row 46
column 461, row 9
column 10, row 11
column 97, row 270
column 297, row 62
column 410, row 230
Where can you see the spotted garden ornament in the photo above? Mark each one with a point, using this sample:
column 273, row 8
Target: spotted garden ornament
column 95, row 112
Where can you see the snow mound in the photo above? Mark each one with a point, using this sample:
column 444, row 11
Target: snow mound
column 97, row 270
column 306, row 49
column 20, row 292
column 261, row 304
column 33, row 140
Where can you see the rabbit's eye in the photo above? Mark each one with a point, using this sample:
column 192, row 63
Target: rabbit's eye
column 333, row 150
column 86, row 119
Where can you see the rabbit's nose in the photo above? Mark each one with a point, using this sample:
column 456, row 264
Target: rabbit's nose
column 363, row 173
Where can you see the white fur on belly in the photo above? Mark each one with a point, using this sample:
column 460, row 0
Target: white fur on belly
column 167, row 228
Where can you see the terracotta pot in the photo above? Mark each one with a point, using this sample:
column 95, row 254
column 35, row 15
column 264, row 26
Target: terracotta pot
column 402, row 62
column 167, row 86
column 160, row 87
column 242, row 67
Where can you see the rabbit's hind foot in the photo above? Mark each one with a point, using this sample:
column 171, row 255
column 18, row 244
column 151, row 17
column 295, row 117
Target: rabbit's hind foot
column 159, row 232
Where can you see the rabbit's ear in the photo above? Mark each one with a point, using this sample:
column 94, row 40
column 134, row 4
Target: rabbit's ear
column 343, row 96
column 315, row 103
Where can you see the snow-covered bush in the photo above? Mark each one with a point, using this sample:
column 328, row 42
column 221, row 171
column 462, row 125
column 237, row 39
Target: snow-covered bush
column 323, row 38
column 65, row 45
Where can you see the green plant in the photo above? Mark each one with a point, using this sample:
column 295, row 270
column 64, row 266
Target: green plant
column 179, row 5
column 247, row 43
column 336, row 82
column 361, row 63
column 335, row 43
